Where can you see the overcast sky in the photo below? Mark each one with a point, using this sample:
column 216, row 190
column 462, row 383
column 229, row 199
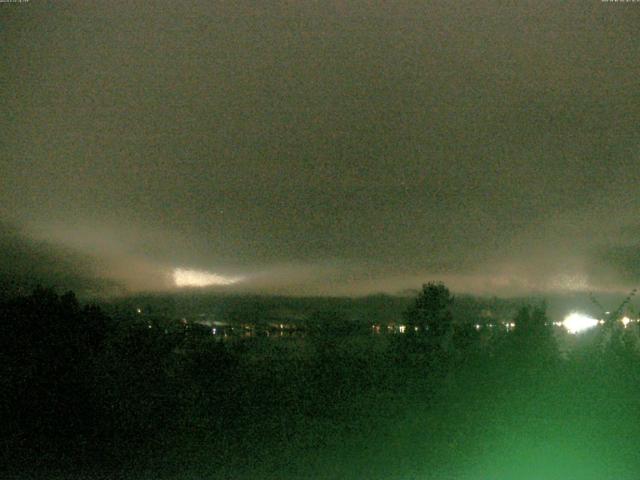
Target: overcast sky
column 334, row 147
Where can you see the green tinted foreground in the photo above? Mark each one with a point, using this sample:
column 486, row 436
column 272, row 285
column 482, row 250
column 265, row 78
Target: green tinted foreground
column 561, row 422
column 129, row 402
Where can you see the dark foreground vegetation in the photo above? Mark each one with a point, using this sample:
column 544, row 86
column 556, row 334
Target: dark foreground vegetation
column 88, row 396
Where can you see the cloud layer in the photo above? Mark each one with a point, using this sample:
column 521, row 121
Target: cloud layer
column 328, row 147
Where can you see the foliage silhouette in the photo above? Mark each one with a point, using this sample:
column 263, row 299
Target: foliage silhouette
column 431, row 311
column 123, row 391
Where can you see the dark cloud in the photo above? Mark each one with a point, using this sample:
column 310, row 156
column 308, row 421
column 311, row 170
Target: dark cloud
column 621, row 261
column 26, row 263
column 356, row 146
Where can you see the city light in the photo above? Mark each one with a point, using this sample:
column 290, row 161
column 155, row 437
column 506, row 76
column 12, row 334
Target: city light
column 578, row 322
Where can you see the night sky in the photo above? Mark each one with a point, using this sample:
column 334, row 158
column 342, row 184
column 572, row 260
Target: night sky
column 333, row 148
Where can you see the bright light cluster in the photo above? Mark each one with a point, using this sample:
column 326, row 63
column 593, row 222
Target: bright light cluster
column 578, row 322
column 197, row 278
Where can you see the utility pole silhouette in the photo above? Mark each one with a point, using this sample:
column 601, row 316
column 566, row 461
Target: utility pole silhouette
column 612, row 333
column 610, row 317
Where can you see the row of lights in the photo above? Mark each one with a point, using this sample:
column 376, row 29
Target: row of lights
column 574, row 323
column 403, row 328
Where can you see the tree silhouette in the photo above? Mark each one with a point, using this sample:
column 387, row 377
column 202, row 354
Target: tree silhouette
column 532, row 338
column 430, row 313
column 48, row 344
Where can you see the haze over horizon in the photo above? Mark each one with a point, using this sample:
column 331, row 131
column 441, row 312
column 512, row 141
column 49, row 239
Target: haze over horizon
column 332, row 148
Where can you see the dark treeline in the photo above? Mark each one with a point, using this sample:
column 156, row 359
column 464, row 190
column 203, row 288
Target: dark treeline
column 86, row 392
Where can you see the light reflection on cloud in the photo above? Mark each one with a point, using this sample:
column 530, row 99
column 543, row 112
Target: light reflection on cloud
column 198, row 278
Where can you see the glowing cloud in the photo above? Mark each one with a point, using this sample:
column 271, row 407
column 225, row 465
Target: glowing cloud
column 577, row 322
column 198, row 278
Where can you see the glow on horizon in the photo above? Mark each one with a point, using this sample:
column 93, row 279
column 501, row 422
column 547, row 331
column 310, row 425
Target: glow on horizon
column 183, row 277
column 578, row 322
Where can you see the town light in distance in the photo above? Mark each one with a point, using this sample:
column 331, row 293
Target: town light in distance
column 577, row 322
column 183, row 277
